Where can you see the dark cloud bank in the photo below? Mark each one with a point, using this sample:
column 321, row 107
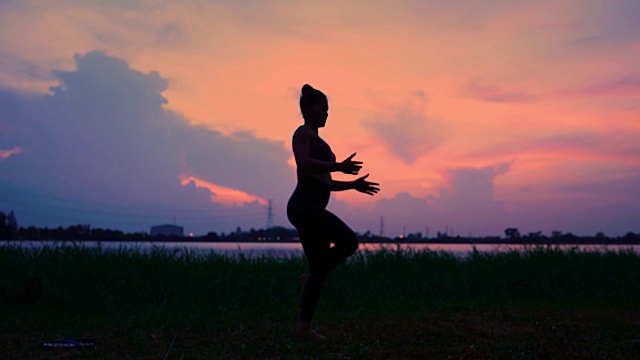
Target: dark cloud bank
column 102, row 149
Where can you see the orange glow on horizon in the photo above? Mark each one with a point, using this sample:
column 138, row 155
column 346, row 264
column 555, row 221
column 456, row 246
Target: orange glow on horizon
column 221, row 194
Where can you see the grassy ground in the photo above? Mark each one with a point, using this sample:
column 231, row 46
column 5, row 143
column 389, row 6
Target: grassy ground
column 541, row 303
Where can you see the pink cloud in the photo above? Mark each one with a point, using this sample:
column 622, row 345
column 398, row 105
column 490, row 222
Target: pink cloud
column 621, row 147
column 498, row 93
column 407, row 132
column 5, row 154
column 625, row 87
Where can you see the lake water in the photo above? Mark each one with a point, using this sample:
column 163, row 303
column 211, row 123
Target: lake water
column 257, row 249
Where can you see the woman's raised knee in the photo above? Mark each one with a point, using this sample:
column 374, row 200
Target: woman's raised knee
column 352, row 244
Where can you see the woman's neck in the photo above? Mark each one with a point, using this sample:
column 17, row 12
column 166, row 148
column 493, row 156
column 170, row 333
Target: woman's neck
column 314, row 128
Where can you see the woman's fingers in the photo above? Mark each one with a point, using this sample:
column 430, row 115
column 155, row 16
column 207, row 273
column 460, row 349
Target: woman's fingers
column 367, row 187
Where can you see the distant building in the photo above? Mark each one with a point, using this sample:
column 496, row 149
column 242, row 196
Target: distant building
column 167, row 230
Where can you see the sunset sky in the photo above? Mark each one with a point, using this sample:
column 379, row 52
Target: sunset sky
column 474, row 116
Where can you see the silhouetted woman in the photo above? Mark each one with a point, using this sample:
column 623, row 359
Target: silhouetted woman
column 317, row 227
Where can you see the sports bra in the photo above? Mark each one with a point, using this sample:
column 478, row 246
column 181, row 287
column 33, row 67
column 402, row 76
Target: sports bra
column 320, row 150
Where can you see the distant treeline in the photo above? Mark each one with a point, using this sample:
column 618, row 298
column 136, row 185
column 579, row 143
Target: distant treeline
column 88, row 233
column 9, row 230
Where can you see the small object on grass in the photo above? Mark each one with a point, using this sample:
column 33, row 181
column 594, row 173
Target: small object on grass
column 69, row 343
column 166, row 355
column 304, row 332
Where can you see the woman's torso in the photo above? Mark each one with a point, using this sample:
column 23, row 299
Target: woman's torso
column 318, row 150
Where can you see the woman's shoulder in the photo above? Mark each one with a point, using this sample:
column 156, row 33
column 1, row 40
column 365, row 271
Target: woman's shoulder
column 306, row 132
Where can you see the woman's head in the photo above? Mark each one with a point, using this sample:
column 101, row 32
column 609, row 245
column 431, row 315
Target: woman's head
column 314, row 106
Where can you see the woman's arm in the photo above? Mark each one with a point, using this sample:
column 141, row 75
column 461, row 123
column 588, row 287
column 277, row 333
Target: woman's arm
column 359, row 184
column 301, row 145
column 337, row 185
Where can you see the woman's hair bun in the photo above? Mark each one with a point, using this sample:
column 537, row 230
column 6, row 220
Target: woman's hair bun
column 306, row 88
column 309, row 97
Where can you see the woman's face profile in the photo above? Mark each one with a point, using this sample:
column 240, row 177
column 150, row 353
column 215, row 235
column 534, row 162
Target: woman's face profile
column 319, row 113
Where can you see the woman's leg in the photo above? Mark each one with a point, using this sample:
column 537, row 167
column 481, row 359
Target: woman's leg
column 316, row 251
column 316, row 239
column 344, row 240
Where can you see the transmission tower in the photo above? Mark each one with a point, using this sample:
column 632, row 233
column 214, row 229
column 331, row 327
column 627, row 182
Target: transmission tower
column 270, row 215
column 381, row 226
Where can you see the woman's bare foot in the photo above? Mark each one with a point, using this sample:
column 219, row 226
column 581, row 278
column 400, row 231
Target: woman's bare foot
column 304, row 331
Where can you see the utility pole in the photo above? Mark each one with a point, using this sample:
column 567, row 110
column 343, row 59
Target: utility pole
column 382, row 226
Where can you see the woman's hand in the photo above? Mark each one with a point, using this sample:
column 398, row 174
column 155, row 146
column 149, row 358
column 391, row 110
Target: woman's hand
column 349, row 166
column 365, row 186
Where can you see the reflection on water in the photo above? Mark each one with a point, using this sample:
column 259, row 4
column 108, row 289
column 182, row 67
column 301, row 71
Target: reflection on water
column 258, row 249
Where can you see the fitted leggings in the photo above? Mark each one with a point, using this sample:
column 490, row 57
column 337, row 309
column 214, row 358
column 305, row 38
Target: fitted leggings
column 318, row 229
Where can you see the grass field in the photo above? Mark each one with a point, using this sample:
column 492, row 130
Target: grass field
column 173, row 304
